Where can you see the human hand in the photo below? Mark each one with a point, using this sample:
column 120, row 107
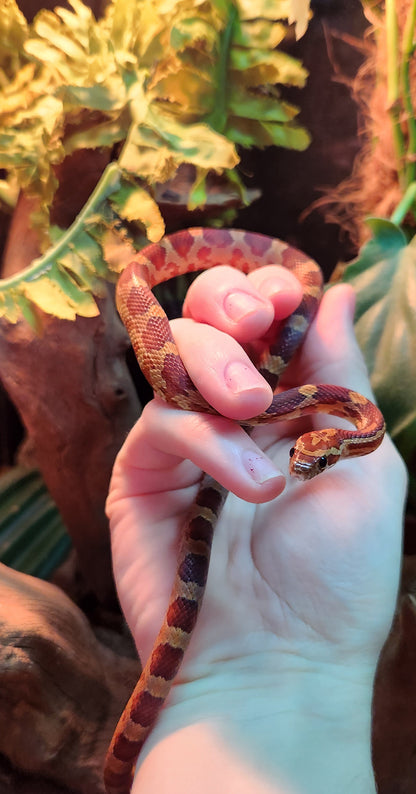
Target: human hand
column 304, row 572
column 295, row 553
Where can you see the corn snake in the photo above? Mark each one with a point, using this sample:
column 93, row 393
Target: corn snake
column 149, row 331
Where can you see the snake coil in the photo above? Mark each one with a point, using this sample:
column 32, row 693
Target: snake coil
column 315, row 451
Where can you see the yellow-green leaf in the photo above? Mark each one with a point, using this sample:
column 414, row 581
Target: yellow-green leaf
column 13, row 32
column 384, row 277
column 48, row 295
column 170, row 82
column 299, row 14
column 134, row 203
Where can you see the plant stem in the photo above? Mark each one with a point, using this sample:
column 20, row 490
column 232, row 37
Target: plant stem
column 406, row 205
column 408, row 50
column 218, row 118
column 392, row 32
column 393, row 85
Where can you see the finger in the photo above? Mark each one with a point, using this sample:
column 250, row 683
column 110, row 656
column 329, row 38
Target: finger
column 280, row 286
column 221, row 370
column 151, row 458
column 242, row 306
column 330, row 353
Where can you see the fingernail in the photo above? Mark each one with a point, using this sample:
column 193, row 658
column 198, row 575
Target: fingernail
column 240, row 304
column 273, row 286
column 239, row 378
column 260, row 468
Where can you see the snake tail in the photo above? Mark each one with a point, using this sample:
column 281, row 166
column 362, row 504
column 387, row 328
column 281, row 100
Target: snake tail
column 152, row 689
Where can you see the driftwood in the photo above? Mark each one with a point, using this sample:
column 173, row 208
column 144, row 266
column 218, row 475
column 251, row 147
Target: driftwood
column 61, row 691
column 394, row 723
column 77, row 402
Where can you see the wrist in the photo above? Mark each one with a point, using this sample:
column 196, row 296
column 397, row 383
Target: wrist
column 291, row 727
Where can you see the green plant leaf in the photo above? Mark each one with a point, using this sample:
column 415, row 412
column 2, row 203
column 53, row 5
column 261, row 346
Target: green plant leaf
column 65, row 280
column 170, row 82
column 57, row 294
column 71, row 81
column 33, row 538
column 13, row 33
column 241, row 131
column 133, row 203
column 299, row 14
column 261, row 107
column 384, row 278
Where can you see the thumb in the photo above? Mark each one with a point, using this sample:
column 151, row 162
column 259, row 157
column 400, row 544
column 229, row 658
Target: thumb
column 331, row 353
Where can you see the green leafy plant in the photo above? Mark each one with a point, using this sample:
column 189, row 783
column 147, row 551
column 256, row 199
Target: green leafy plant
column 400, row 46
column 384, row 278
column 33, row 538
column 158, row 82
column 384, row 273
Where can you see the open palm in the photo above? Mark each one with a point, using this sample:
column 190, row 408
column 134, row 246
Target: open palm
column 310, row 570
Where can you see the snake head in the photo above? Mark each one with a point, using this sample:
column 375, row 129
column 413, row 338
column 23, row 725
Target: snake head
column 309, row 458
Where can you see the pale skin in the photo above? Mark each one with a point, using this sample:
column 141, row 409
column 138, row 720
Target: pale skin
column 274, row 696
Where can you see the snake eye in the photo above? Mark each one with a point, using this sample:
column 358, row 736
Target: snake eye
column 292, row 452
column 322, row 462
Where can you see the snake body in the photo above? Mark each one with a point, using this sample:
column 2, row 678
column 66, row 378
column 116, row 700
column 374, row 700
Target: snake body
column 158, row 356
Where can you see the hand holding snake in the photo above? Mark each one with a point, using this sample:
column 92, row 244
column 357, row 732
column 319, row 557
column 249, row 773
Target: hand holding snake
column 152, row 464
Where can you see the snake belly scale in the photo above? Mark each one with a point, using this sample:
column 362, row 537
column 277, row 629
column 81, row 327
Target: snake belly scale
column 152, row 341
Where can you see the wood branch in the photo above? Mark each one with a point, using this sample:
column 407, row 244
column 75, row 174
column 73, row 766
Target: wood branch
column 61, row 691
column 394, row 696
column 74, row 393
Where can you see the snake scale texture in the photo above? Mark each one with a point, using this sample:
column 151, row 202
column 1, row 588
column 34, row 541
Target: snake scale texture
column 157, row 354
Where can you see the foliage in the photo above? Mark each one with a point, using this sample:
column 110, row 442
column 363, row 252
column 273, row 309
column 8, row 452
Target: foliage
column 161, row 82
column 33, row 538
column 65, row 280
column 386, row 93
column 384, row 278
column 400, row 49
column 384, row 273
